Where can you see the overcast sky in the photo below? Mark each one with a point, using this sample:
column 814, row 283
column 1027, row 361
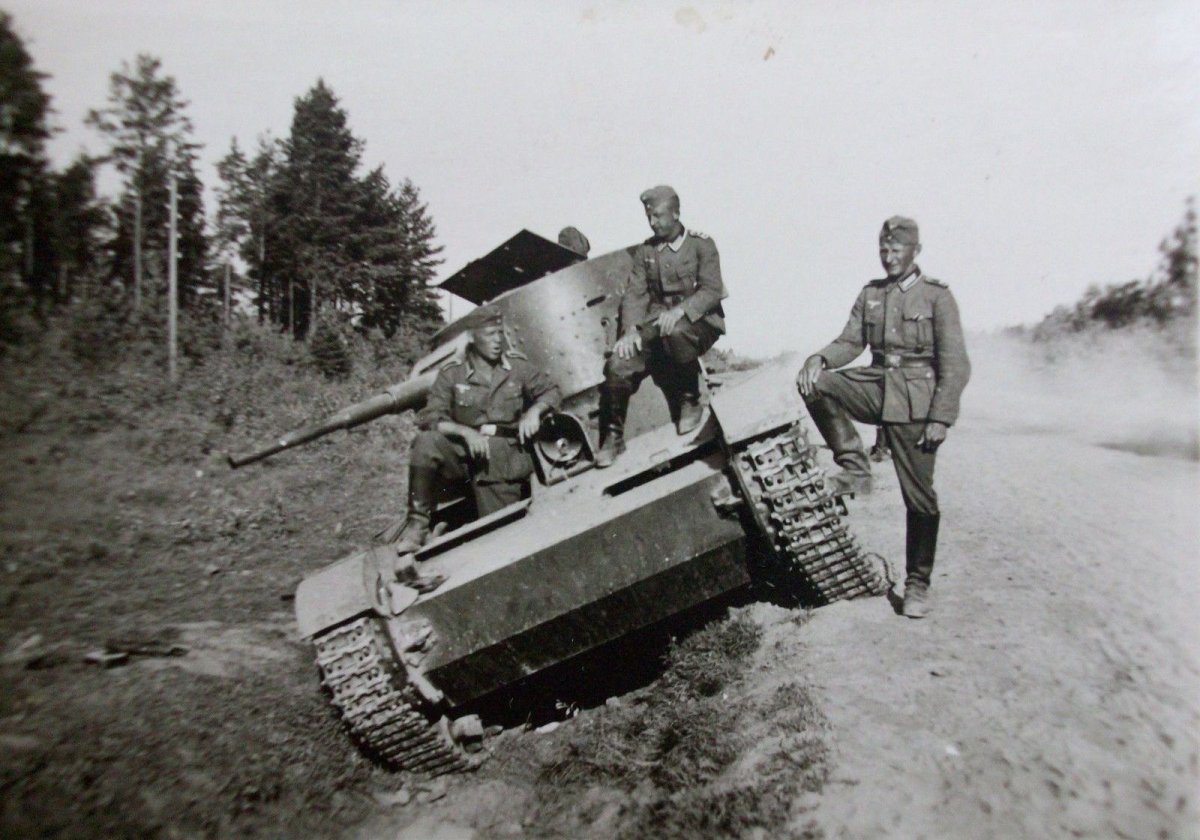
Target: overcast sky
column 1042, row 146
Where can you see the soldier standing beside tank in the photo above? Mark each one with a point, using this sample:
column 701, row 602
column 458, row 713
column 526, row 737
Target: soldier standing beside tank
column 670, row 316
column 918, row 370
column 479, row 414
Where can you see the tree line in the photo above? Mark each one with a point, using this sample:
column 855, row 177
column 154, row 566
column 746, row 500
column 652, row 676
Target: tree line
column 1166, row 297
column 299, row 229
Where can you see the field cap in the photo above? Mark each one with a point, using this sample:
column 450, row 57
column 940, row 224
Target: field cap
column 900, row 229
column 570, row 237
column 483, row 316
column 658, row 195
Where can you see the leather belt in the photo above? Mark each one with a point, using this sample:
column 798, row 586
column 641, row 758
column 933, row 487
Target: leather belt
column 897, row 360
column 498, row 430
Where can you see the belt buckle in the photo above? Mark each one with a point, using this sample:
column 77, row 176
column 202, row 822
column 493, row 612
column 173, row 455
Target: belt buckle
column 488, row 430
column 891, row 360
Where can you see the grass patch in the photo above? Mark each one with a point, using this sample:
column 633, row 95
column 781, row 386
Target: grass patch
column 695, row 755
column 120, row 519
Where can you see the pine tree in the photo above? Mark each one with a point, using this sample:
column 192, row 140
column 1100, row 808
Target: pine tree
column 149, row 138
column 24, row 108
column 71, row 221
column 244, row 213
column 313, row 205
column 231, row 227
column 421, row 255
column 404, row 258
column 348, row 242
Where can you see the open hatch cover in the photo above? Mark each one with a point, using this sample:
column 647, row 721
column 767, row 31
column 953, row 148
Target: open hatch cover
column 520, row 260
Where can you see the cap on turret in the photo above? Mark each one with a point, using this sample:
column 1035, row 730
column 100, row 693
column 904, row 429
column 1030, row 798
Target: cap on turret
column 901, row 229
column 657, row 195
column 572, row 238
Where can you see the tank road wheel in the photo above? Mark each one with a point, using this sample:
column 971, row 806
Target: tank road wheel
column 381, row 710
column 796, row 511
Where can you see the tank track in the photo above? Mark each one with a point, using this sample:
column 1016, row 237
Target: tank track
column 381, row 710
column 800, row 516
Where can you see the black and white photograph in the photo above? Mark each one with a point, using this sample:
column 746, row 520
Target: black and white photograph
column 466, row 420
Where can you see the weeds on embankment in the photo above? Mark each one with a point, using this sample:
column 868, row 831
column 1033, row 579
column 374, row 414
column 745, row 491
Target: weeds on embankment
column 699, row 753
column 121, row 519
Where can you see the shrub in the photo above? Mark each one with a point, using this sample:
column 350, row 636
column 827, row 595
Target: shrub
column 329, row 347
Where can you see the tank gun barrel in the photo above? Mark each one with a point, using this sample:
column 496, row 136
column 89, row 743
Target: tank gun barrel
column 410, row 394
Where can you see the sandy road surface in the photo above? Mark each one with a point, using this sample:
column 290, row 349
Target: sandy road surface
column 1055, row 690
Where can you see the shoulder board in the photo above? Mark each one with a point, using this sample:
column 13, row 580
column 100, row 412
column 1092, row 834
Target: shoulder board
column 876, row 283
column 653, row 240
column 451, row 364
column 516, row 354
column 937, row 282
column 698, row 234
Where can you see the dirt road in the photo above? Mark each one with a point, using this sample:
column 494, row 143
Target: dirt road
column 1055, row 690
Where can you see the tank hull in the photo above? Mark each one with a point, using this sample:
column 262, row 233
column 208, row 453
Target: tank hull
column 574, row 577
column 594, row 559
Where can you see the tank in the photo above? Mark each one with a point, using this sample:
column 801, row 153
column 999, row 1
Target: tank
column 407, row 647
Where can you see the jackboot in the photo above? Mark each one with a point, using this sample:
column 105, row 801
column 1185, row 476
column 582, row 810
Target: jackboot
column 920, row 551
column 688, row 397
column 614, row 405
column 843, row 439
column 422, row 495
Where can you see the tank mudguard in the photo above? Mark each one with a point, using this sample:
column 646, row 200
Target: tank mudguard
column 764, row 400
column 340, row 591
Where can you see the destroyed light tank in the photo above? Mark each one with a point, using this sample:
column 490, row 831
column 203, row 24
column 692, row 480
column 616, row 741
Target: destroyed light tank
column 592, row 555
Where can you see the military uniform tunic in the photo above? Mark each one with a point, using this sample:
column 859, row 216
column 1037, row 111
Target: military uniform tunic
column 685, row 272
column 918, row 370
column 492, row 400
column 915, row 322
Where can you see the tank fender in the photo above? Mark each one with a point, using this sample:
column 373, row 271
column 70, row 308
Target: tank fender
column 764, row 400
column 342, row 590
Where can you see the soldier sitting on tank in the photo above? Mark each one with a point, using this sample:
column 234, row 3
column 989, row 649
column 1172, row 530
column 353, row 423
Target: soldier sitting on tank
column 670, row 316
column 480, row 413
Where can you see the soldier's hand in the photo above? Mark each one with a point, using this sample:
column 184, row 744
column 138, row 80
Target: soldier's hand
column 933, row 436
column 806, row 379
column 628, row 345
column 666, row 321
column 477, row 444
column 531, row 421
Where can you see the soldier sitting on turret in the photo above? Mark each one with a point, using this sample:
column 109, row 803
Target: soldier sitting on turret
column 670, row 316
column 479, row 414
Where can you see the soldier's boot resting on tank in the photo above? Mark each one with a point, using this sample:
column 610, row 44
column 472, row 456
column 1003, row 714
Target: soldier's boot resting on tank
column 688, row 395
column 690, row 413
column 920, row 550
column 843, row 439
column 614, row 404
column 613, row 446
column 422, row 489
